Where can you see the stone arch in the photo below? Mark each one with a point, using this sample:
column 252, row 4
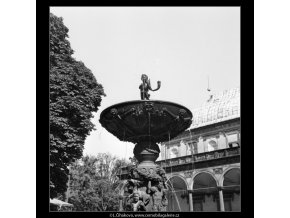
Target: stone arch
column 204, row 191
column 203, row 171
column 178, row 175
column 230, row 181
column 221, row 181
column 177, row 193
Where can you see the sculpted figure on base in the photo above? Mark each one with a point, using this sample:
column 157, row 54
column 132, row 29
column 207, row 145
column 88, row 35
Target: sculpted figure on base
column 137, row 201
column 158, row 196
column 141, row 195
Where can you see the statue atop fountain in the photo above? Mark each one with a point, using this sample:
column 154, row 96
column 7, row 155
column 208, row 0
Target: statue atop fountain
column 146, row 86
column 146, row 123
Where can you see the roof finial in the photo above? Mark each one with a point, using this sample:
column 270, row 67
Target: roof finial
column 208, row 89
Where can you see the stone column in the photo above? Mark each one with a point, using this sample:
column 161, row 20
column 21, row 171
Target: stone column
column 221, row 197
column 190, row 201
column 121, row 205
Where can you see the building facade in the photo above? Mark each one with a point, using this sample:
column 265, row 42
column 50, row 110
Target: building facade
column 203, row 163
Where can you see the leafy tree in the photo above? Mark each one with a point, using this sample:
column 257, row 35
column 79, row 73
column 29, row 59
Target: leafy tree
column 93, row 183
column 108, row 167
column 74, row 96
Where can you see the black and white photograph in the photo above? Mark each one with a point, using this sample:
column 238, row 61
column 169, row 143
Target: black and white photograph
column 144, row 109
column 149, row 110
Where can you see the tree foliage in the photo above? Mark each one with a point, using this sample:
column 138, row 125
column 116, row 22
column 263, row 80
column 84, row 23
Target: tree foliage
column 74, row 95
column 94, row 183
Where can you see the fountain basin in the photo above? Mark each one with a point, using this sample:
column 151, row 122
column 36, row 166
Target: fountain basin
column 146, row 120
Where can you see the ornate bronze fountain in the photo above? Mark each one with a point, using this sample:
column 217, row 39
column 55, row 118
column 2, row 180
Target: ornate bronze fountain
column 145, row 123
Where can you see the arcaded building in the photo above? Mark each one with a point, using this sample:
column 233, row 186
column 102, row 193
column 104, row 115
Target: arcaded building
column 203, row 163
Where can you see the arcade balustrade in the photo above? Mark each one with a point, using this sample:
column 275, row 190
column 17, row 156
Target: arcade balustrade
column 195, row 158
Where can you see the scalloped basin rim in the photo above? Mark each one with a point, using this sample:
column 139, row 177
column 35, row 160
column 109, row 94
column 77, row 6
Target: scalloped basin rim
column 141, row 101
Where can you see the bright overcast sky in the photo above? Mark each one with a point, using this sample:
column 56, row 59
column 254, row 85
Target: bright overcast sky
column 180, row 46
